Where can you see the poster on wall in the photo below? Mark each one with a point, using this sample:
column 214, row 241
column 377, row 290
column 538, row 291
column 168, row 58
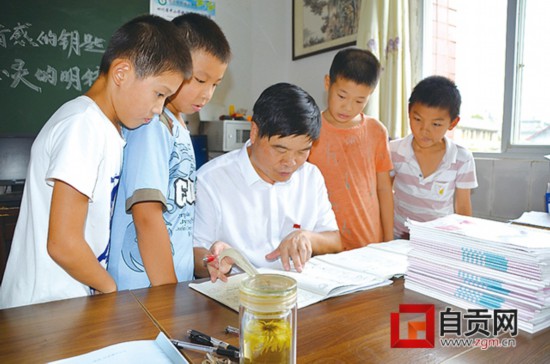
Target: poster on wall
column 169, row 9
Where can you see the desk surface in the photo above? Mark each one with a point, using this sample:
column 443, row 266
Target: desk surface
column 56, row 330
column 350, row 329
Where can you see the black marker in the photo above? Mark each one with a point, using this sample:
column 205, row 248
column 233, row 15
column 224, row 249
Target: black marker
column 200, row 338
column 206, row 349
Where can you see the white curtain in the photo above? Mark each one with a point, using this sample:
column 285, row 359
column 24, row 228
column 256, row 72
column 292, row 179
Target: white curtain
column 384, row 30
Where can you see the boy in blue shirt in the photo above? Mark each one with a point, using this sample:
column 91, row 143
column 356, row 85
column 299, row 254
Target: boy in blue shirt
column 60, row 243
column 152, row 226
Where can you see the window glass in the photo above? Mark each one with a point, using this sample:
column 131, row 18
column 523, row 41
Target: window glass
column 532, row 101
column 468, row 44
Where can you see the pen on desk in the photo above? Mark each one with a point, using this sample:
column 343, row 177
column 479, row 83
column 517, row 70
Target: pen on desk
column 232, row 330
column 200, row 338
column 206, row 349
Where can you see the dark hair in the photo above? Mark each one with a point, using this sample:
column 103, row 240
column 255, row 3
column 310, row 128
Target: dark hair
column 358, row 65
column 284, row 110
column 202, row 33
column 439, row 92
column 152, row 44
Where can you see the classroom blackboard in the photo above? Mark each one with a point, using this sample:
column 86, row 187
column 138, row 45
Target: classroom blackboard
column 50, row 52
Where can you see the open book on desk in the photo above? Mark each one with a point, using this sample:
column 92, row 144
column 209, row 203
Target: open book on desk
column 326, row 276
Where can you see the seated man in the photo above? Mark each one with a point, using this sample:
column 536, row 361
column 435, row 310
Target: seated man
column 265, row 199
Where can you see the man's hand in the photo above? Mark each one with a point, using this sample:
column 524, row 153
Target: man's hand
column 296, row 246
column 219, row 269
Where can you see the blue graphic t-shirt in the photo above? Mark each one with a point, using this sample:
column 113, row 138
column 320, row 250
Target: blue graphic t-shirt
column 159, row 165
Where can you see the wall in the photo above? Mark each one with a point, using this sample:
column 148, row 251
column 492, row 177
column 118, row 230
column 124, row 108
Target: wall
column 260, row 34
column 508, row 187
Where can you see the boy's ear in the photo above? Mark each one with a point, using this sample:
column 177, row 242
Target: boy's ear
column 327, row 82
column 120, row 70
column 454, row 123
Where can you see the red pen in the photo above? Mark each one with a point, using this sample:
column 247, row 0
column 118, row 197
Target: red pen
column 208, row 259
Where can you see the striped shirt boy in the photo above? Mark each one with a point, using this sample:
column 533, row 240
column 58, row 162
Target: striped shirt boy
column 425, row 199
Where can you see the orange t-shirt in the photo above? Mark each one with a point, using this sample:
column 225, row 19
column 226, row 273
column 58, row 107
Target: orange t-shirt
column 349, row 160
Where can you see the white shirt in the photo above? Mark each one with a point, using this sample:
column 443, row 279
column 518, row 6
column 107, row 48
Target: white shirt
column 425, row 199
column 236, row 206
column 81, row 147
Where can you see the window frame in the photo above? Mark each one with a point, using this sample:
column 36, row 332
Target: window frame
column 514, row 35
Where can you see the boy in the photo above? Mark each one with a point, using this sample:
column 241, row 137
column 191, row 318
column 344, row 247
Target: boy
column 265, row 199
column 431, row 172
column 353, row 153
column 152, row 226
column 62, row 234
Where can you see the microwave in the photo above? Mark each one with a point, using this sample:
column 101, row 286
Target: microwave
column 226, row 135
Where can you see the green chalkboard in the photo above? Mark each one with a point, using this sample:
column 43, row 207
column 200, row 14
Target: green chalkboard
column 50, row 52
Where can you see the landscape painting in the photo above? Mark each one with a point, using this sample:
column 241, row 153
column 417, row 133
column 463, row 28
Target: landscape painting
column 323, row 25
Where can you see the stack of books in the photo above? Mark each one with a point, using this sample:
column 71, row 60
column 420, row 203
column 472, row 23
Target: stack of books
column 476, row 263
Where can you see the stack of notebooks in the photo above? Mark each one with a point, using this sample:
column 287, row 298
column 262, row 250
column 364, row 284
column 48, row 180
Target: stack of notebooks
column 477, row 263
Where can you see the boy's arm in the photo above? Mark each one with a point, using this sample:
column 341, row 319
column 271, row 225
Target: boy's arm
column 385, row 200
column 66, row 243
column 463, row 202
column 154, row 242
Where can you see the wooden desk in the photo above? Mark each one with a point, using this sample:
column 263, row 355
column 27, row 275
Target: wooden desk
column 56, row 330
column 348, row 329
column 178, row 308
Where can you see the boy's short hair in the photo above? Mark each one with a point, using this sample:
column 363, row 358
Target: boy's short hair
column 439, row 92
column 203, row 34
column 358, row 65
column 284, row 109
column 152, row 44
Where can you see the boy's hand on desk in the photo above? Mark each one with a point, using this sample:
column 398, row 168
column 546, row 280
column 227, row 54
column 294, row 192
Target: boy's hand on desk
column 219, row 269
column 295, row 246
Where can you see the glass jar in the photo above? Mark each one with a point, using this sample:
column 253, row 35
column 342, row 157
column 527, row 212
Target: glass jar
column 267, row 316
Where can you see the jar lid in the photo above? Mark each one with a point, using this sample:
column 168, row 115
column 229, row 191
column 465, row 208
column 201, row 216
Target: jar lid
column 268, row 292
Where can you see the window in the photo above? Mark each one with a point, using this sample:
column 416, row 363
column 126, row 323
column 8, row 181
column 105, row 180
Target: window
column 533, row 73
column 497, row 54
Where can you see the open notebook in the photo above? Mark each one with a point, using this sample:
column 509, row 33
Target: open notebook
column 326, row 276
column 160, row 350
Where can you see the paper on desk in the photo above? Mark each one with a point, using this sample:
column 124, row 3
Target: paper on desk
column 157, row 351
column 326, row 276
column 534, row 218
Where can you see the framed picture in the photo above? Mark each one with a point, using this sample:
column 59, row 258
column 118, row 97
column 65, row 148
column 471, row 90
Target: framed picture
column 323, row 25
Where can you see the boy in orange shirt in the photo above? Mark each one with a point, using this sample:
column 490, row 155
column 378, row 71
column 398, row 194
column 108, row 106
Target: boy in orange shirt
column 353, row 152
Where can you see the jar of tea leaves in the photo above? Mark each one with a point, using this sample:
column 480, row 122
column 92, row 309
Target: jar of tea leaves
column 267, row 316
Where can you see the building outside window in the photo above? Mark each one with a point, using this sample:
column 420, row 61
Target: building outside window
column 498, row 54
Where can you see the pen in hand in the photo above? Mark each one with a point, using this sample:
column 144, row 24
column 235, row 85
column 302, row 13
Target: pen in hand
column 200, row 338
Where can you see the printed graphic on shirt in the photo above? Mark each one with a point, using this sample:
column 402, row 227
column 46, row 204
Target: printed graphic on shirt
column 104, row 257
column 440, row 188
column 180, row 204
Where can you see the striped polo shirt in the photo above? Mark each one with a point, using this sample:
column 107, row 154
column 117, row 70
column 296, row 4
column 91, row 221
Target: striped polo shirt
column 425, row 199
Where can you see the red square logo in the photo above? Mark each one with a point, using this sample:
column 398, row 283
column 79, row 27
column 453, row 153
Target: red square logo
column 414, row 327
